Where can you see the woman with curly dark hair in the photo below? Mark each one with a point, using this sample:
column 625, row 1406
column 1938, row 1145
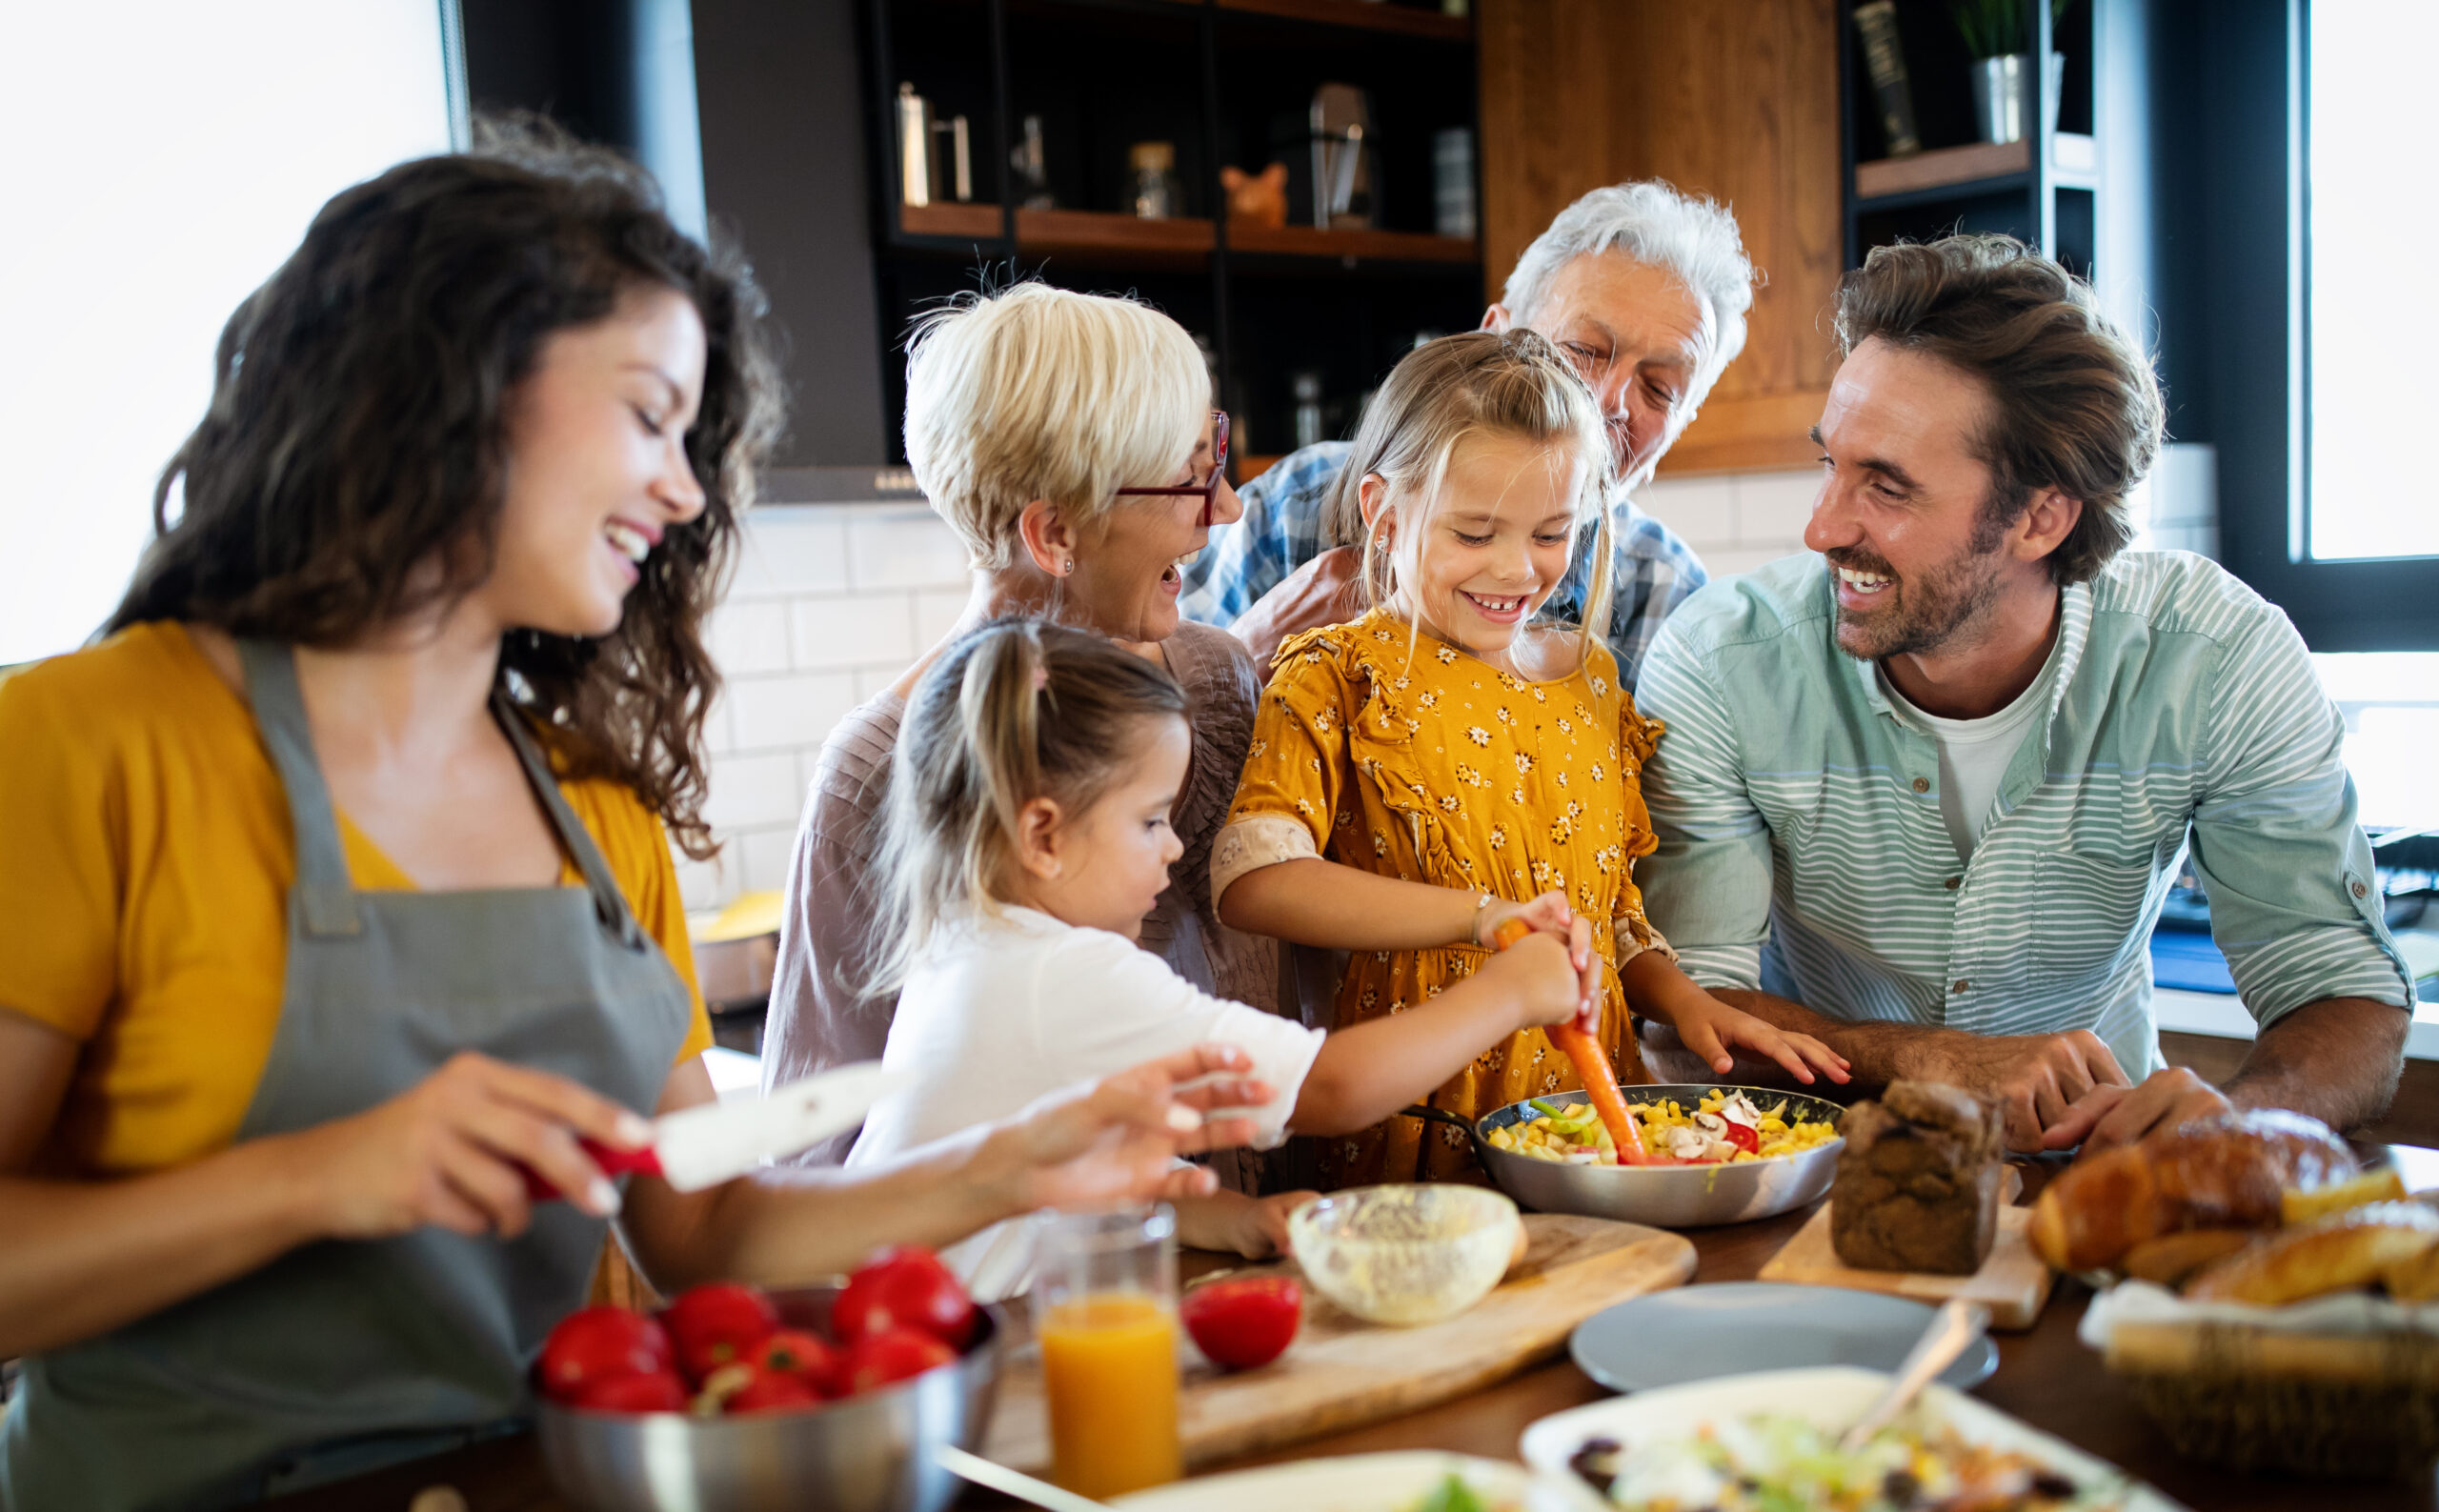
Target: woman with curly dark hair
column 335, row 892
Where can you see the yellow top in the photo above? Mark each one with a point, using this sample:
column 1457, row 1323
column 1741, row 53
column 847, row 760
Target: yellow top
column 145, row 862
column 1390, row 750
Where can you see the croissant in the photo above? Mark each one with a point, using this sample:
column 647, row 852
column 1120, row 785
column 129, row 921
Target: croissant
column 2352, row 1249
column 2221, row 1172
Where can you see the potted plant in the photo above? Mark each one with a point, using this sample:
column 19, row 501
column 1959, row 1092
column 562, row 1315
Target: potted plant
column 1994, row 32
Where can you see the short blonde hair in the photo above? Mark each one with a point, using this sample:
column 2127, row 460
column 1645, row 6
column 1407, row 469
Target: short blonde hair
column 1511, row 383
column 1034, row 392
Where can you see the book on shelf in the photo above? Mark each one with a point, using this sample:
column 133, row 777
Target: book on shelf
column 1885, row 56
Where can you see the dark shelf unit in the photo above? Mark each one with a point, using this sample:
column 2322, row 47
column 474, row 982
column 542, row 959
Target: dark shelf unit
column 1270, row 302
column 2042, row 190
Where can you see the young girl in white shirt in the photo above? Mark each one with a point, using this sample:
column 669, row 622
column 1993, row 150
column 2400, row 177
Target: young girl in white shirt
column 1027, row 836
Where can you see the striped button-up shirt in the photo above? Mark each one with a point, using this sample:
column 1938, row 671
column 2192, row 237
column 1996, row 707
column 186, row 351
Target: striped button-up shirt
column 1652, row 571
column 1801, row 850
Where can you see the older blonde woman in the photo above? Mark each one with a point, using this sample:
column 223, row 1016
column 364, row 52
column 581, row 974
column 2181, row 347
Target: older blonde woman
column 1068, row 440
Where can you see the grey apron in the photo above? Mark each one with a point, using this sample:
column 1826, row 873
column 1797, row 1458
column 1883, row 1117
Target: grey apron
column 339, row 1357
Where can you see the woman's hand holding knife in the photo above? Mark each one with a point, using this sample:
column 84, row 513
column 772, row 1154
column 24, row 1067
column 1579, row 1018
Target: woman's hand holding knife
column 454, row 1151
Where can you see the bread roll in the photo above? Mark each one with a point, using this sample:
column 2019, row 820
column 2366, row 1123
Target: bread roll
column 2353, row 1248
column 2415, row 1280
column 2224, row 1172
column 2169, row 1259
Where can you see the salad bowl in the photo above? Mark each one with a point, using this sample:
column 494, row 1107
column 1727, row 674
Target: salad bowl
column 1661, row 1196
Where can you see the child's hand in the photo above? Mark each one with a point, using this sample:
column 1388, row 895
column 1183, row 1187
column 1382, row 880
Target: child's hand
column 1261, row 1225
column 1708, row 1027
column 1549, row 915
column 1538, row 976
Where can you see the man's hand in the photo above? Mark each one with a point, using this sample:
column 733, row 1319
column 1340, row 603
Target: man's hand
column 1322, row 592
column 2035, row 1078
column 2107, row 1117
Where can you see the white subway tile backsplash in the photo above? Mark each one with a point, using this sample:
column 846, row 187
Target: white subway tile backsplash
column 707, row 884
column 788, row 713
column 791, row 551
column 904, row 549
column 750, row 635
column 755, row 789
column 1736, row 560
column 764, row 858
column 859, row 630
column 1701, row 510
column 1775, row 507
column 717, row 737
column 935, row 614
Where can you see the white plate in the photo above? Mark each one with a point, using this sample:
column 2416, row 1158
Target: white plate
column 1366, row 1483
column 1828, row 1396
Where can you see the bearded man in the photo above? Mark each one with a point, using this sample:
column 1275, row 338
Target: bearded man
column 1923, row 794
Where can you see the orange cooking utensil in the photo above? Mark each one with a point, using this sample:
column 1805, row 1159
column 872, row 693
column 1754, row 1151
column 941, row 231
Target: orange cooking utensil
column 1591, row 1065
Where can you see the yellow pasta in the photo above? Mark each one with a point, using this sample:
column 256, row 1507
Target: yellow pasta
column 1574, row 1134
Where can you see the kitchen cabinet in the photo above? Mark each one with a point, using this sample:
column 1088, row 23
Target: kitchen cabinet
column 1736, row 101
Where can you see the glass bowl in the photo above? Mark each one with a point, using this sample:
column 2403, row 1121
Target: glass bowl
column 1405, row 1253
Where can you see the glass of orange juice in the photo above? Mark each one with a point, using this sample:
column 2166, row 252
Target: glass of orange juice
column 1104, row 1305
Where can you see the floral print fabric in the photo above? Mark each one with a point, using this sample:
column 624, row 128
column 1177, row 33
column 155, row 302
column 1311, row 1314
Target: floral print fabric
column 1393, row 752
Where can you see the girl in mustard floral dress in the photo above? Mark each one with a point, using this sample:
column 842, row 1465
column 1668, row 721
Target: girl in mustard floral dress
column 1442, row 763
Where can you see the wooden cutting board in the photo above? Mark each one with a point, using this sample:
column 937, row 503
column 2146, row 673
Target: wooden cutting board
column 1342, row 1372
column 2012, row 1282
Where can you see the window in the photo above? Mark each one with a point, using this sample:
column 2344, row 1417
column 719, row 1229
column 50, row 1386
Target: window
column 2372, row 490
column 162, row 160
column 2294, row 234
column 2391, row 700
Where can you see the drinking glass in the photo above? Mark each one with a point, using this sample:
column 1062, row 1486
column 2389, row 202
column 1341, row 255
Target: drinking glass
column 1104, row 1301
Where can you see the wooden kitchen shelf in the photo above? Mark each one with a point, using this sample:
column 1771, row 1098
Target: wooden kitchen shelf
column 1963, row 167
column 1275, row 307
column 1944, row 167
column 977, row 222
column 1098, row 231
column 1063, row 231
column 1378, row 245
column 1368, row 16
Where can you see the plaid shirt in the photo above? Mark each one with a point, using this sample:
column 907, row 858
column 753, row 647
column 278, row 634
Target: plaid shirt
column 1651, row 571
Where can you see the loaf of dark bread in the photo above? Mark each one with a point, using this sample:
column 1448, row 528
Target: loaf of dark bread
column 1918, row 1181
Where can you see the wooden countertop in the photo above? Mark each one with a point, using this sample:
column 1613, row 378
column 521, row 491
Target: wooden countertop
column 2045, row 1377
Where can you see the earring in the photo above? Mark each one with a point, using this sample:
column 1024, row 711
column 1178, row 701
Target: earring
column 1066, row 567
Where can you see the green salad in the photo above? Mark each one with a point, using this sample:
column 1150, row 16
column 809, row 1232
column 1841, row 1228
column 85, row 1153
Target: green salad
column 1776, row 1463
column 1453, row 1495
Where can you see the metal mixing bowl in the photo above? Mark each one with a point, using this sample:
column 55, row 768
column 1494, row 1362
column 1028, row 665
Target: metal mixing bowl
column 1661, row 1196
column 872, row 1453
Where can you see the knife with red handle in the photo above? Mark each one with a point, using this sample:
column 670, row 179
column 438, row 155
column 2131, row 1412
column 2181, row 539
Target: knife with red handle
column 719, row 1142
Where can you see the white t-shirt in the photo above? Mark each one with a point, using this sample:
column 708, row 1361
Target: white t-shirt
column 1005, row 1009
column 1974, row 754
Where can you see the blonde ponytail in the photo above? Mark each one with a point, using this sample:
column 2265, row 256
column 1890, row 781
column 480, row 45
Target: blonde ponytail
column 1019, row 710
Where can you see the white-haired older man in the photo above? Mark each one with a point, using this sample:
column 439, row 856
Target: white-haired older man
column 1647, row 289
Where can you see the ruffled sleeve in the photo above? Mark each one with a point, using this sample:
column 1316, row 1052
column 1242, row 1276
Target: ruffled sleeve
column 1295, row 765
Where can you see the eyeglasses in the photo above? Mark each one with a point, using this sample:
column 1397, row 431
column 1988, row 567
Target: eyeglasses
column 1208, row 487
